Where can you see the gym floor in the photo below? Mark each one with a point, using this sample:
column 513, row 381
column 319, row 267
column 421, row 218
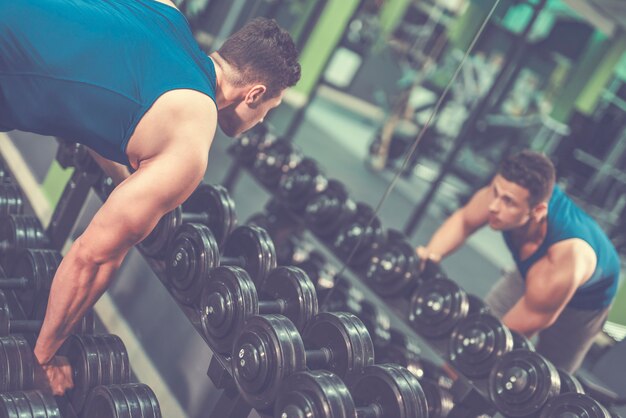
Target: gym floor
column 165, row 350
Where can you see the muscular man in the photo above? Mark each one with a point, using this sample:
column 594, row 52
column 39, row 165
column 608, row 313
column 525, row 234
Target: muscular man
column 568, row 270
column 127, row 79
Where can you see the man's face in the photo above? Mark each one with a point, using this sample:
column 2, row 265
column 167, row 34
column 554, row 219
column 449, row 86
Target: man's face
column 245, row 114
column 509, row 207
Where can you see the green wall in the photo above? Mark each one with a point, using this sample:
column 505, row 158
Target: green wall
column 323, row 41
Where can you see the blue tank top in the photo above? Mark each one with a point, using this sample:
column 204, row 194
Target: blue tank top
column 88, row 70
column 567, row 220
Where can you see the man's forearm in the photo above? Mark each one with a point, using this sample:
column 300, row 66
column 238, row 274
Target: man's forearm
column 450, row 235
column 116, row 171
column 77, row 285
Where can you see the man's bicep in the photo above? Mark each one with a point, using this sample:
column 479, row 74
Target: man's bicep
column 136, row 205
column 549, row 287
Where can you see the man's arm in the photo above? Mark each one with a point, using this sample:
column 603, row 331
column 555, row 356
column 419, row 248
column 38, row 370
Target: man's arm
column 458, row 227
column 550, row 284
column 127, row 216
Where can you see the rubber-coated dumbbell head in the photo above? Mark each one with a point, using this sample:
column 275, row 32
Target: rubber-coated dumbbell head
column 31, row 275
column 247, row 147
column 476, row 344
column 328, row 210
column 95, row 360
column 9, row 325
column 10, row 199
column 275, row 161
column 439, row 400
column 216, row 202
column 359, row 237
column 393, row 267
column 521, row 341
column 19, row 232
column 28, row 404
column 574, row 405
column 125, row 400
column 229, row 299
column 477, row 305
column 521, row 382
column 254, row 250
column 17, row 364
column 300, row 185
column 437, row 306
column 569, row 383
column 269, row 348
column 192, row 253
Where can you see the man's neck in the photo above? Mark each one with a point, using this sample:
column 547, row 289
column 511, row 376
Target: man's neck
column 532, row 232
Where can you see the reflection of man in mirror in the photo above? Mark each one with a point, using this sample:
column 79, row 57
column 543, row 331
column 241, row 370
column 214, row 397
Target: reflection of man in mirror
column 567, row 268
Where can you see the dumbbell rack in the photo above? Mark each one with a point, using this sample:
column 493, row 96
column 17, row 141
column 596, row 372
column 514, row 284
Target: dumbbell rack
column 230, row 404
column 471, row 397
column 17, row 312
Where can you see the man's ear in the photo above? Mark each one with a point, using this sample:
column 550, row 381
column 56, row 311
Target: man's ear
column 255, row 94
column 540, row 211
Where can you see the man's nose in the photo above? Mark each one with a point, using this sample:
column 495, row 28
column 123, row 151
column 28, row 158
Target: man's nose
column 494, row 206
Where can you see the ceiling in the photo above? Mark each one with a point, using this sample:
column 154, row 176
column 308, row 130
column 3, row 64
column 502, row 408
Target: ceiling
column 609, row 16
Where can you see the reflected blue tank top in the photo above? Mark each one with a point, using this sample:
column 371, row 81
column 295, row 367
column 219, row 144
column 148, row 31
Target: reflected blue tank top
column 567, row 220
column 88, row 70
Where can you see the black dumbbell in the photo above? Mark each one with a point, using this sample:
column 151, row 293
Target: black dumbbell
column 393, row 267
column 300, row 185
column 521, row 383
column 401, row 350
column 320, row 271
column 209, row 205
column 28, row 404
column 574, row 405
column 329, row 210
column 359, row 238
column 19, row 232
column 95, row 360
column 476, row 344
column 439, row 399
column 194, row 252
column 270, row 348
column 521, row 341
column 437, row 306
column 275, row 161
column 19, row 326
column 229, row 299
column 569, row 383
column 17, row 364
column 247, row 147
column 105, row 187
column 477, row 305
column 10, row 199
column 343, row 297
column 30, row 275
column 4, row 173
column 122, row 401
column 377, row 323
column 71, row 154
column 382, row 391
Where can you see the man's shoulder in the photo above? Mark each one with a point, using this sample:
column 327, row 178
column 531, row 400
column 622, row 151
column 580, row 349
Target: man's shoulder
column 569, row 250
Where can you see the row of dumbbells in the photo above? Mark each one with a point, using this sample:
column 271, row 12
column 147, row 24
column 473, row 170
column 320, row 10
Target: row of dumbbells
column 265, row 317
column 101, row 376
column 388, row 263
column 477, row 341
column 99, row 362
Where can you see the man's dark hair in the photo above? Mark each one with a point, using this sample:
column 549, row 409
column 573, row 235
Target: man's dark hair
column 533, row 171
column 263, row 52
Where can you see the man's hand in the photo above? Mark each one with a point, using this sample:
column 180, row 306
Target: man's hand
column 425, row 256
column 55, row 376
